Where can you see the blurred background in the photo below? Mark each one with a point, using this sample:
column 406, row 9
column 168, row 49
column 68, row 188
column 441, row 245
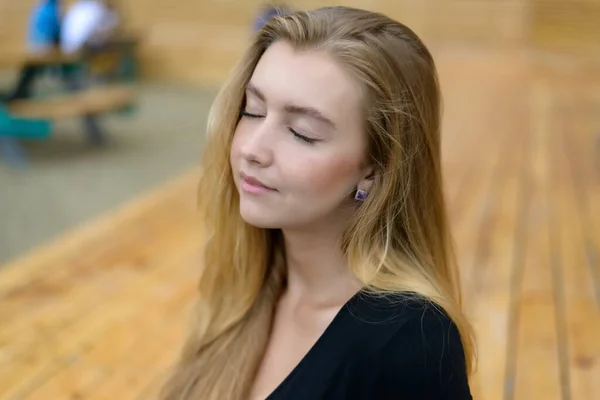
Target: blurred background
column 101, row 132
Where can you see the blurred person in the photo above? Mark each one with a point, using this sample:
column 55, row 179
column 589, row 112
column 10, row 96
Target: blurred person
column 44, row 26
column 43, row 35
column 328, row 268
column 88, row 22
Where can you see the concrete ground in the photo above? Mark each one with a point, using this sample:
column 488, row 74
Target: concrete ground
column 68, row 182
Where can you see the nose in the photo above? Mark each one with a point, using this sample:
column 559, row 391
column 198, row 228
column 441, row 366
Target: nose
column 257, row 146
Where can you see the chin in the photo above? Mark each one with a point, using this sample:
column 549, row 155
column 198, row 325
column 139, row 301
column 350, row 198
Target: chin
column 259, row 217
column 270, row 220
column 273, row 215
column 260, row 221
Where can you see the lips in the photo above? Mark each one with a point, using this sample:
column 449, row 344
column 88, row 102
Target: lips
column 254, row 182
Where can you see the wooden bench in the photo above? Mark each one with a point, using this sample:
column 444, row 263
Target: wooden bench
column 16, row 59
column 91, row 101
column 112, row 64
column 33, row 118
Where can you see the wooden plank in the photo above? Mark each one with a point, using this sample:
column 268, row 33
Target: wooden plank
column 582, row 144
column 30, row 357
column 581, row 309
column 468, row 78
column 147, row 361
column 27, row 373
column 537, row 370
column 468, row 170
column 485, row 152
column 497, row 247
column 52, row 312
column 125, row 344
column 90, row 101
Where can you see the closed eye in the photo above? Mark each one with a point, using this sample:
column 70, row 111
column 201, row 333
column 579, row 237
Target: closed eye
column 302, row 137
column 299, row 136
column 246, row 114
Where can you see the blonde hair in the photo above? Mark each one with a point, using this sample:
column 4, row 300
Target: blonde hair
column 398, row 240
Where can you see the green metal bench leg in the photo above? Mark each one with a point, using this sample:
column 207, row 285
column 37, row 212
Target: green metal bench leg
column 12, row 129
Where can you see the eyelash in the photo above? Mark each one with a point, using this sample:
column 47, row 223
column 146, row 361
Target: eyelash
column 249, row 115
column 298, row 136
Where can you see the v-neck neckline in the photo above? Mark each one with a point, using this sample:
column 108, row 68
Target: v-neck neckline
column 316, row 345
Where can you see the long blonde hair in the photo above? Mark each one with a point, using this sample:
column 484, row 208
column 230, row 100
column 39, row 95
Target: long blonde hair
column 398, row 240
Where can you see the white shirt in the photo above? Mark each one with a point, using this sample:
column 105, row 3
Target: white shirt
column 85, row 20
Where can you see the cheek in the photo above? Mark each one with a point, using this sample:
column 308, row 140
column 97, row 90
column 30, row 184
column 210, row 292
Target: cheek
column 331, row 176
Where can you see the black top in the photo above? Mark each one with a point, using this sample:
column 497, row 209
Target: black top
column 377, row 348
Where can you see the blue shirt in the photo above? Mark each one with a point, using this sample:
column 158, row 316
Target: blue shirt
column 44, row 25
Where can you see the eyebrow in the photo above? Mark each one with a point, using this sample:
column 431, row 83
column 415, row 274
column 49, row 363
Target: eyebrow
column 293, row 109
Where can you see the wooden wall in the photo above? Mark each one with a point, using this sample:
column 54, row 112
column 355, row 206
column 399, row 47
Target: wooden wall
column 572, row 25
column 197, row 41
column 13, row 17
column 200, row 41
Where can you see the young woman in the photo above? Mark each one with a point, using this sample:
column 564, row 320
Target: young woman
column 329, row 272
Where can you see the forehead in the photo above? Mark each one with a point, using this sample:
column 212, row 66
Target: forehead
column 308, row 78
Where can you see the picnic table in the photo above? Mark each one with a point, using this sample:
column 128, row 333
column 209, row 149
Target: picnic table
column 83, row 97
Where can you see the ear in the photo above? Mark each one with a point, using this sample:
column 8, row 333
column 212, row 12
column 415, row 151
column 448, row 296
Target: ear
column 367, row 178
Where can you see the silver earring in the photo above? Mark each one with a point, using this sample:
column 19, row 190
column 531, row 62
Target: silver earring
column 361, row 195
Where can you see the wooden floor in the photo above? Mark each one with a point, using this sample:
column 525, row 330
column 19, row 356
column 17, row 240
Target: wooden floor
column 101, row 313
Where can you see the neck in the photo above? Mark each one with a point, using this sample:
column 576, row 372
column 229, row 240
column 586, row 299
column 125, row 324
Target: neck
column 317, row 269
